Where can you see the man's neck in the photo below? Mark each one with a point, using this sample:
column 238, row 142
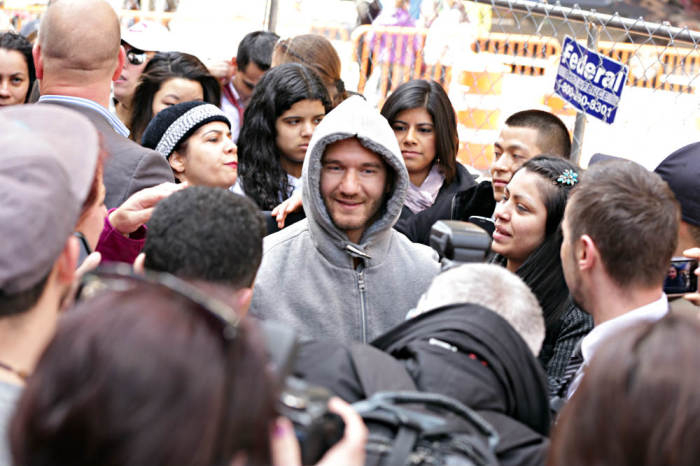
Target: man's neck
column 237, row 93
column 23, row 337
column 613, row 301
column 98, row 93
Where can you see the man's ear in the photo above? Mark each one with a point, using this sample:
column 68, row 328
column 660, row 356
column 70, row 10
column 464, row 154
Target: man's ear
column 234, row 65
column 242, row 299
column 67, row 261
column 38, row 61
column 120, row 63
column 587, row 254
column 140, row 263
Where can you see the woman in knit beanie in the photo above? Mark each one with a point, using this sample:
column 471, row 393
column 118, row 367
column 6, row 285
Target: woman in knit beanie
column 195, row 138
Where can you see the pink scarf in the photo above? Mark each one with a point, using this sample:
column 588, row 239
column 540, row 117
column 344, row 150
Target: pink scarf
column 419, row 198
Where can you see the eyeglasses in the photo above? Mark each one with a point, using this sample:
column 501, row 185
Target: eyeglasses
column 120, row 277
column 136, row 57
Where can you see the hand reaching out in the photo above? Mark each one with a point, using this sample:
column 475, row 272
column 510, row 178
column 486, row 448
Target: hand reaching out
column 288, row 206
column 138, row 208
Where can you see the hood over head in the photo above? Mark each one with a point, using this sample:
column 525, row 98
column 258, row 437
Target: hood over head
column 509, row 378
column 353, row 118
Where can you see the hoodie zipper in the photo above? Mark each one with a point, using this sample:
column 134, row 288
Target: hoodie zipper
column 363, row 304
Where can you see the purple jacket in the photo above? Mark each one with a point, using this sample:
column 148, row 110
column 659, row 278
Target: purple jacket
column 116, row 247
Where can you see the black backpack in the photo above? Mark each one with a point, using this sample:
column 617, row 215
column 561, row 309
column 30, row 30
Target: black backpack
column 408, row 427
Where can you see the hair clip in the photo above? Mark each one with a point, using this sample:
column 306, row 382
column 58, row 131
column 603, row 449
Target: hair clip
column 569, row 177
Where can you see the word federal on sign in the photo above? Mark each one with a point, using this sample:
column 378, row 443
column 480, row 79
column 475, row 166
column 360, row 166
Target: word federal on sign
column 589, row 81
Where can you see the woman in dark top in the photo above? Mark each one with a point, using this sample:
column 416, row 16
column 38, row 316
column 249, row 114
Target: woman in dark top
column 527, row 240
column 425, row 125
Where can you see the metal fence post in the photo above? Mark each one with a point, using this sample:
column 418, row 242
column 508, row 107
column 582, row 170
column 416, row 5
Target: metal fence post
column 272, row 9
column 592, row 33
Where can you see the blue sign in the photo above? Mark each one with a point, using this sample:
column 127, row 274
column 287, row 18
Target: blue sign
column 589, row 81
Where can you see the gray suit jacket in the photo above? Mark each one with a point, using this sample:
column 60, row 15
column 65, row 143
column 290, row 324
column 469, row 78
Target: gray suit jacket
column 129, row 167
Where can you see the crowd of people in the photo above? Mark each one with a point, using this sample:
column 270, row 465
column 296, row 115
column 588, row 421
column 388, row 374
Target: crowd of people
column 156, row 213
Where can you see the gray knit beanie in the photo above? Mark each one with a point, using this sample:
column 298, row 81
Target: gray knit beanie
column 177, row 123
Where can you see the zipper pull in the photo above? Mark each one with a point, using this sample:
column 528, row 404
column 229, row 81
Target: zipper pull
column 361, row 280
column 355, row 252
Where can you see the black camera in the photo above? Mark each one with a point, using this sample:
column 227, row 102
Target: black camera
column 316, row 428
column 305, row 405
column 459, row 242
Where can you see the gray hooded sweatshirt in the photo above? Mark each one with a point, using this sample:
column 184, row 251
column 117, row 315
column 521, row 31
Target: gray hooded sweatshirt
column 307, row 278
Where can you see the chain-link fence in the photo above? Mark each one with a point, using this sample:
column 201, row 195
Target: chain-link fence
column 503, row 57
column 495, row 57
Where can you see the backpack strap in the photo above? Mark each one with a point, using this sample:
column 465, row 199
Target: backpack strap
column 377, row 371
column 403, row 445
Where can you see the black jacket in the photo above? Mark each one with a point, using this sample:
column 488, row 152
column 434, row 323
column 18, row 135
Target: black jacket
column 417, row 226
column 510, row 391
column 503, row 381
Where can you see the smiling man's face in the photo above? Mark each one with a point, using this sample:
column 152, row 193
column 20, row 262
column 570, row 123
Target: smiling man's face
column 353, row 185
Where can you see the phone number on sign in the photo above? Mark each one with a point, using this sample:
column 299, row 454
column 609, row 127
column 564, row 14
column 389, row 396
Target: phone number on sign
column 583, row 100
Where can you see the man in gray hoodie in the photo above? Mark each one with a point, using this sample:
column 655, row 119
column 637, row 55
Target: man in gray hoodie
column 344, row 272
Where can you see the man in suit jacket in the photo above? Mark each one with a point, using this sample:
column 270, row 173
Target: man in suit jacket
column 77, row 57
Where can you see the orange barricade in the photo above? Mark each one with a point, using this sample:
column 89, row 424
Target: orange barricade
column 478, row 113
column 528, row 54
column 395, row 55
column 331, row 31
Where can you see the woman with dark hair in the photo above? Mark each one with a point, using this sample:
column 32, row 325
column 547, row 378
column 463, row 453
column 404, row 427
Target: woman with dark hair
column 17, row 73
column 288, row 103
column 168, row 79
column 638, row 403
column 527, row 240
column 316, row 52
column 152, row 370
column 425, row 125
column 146, row 375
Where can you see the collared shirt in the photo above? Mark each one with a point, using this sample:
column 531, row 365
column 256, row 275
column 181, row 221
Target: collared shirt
column 607, row 330
column 233, row 111
column 91, row 104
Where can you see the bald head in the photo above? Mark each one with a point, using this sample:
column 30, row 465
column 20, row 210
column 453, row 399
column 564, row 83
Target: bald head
column 79, row 39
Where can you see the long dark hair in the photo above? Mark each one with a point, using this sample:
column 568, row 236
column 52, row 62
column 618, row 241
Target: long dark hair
column 162, row 67
column 145, row 376
column 542, row 270
column 429, row 95
column 258, row 156
column 17, row 42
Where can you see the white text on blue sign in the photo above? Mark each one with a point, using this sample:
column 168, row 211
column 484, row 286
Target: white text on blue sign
column 589, row 81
